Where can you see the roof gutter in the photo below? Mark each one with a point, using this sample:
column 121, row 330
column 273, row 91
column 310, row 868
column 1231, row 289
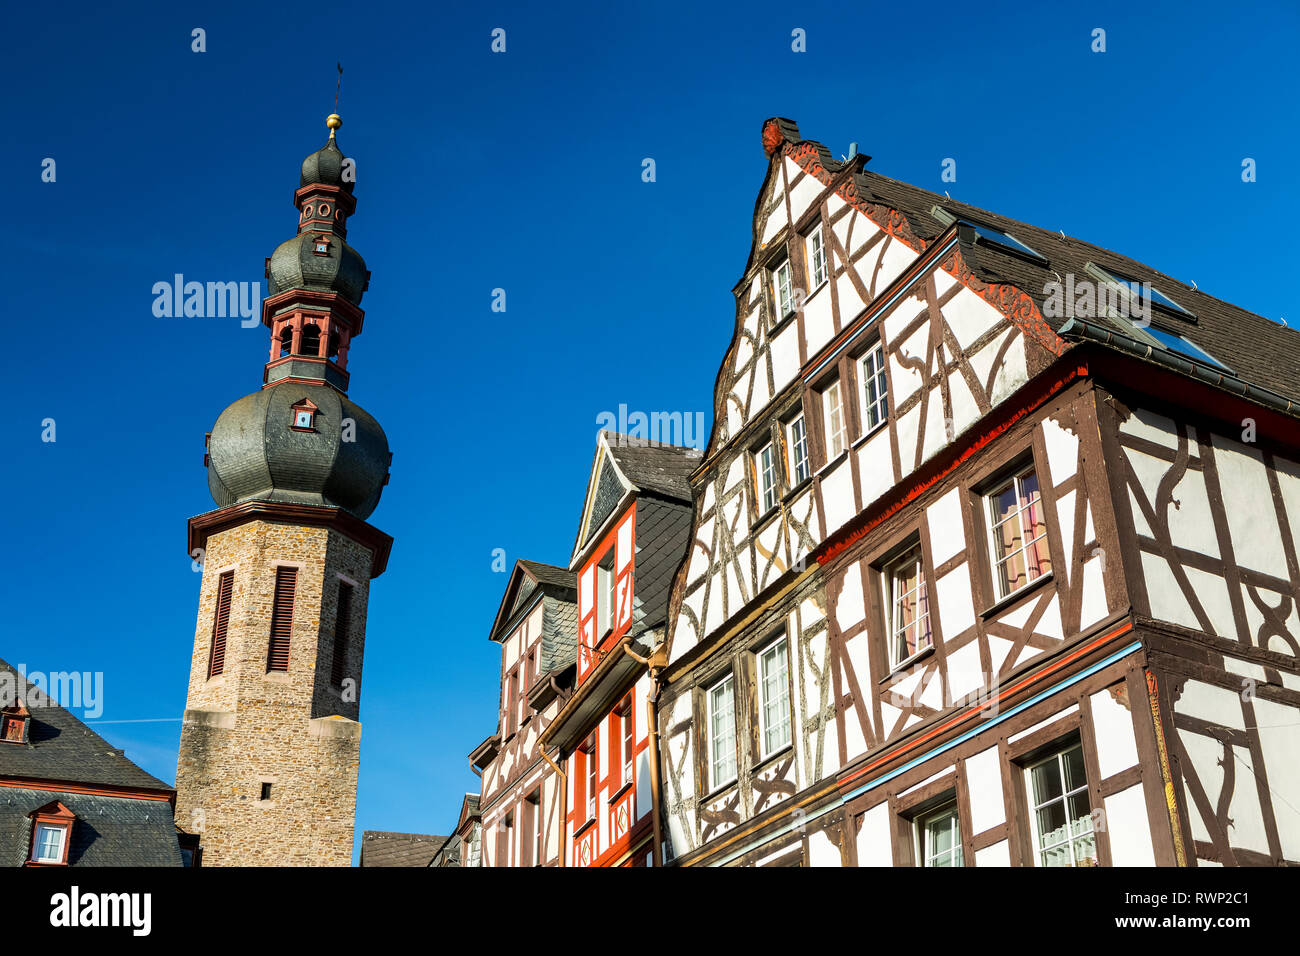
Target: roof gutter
column 1079, row 329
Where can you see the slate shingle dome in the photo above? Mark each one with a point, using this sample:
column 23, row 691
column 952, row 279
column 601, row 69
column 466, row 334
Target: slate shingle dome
column 254, row 454
column 295, row 265
column 325, row 166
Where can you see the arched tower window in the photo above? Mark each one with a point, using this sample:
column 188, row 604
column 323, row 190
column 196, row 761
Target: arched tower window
column 286, row 339
column 334, row 346
column 310, row 340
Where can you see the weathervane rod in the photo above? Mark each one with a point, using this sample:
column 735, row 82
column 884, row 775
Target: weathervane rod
column 338, row 88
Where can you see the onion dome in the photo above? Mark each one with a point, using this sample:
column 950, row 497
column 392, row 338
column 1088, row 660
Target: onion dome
column 300, row 263
column 301, row 444
column 325, row 166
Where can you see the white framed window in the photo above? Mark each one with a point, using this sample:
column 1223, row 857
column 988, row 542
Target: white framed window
column 605, row 595
column 592, row 769
column 875, row 396
column 629, row 741
column 817, row 255
column 833, row 417
column 765, row 477
column 783, row 279
column 538, row 835
column 938, row 837
column 1018, row 533
column 721, row 719
column 47, row 843
column 774, row 697
column 1059, row 811
column 796, row 442
column 909, row 607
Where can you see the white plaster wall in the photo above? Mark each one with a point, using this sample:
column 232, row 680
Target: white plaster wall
column 1128, row 828
column 984, row 784
column 875, row 846
column 1112, row 724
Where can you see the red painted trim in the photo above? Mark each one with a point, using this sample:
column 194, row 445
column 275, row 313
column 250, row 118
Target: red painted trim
column 133, row 793
column 980, row 708
column 639, row 831
column 366, row 535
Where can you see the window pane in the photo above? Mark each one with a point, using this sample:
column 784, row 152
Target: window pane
column 875, row 397
column 723, row 732
column 1075, row 776
column 910, row 607
column 775, row 697
column 1047, row 782
column 767, row 491
column 834, row 420
column 49, row 843
column 798, row 440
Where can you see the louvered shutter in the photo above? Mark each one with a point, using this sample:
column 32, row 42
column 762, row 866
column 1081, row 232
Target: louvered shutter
column 220, row 624
column 342, row 630
column 286, row 584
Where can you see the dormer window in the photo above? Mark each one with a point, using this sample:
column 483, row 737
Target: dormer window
column 13, row 724
column 51, row 829
column 304, row 415
column 321, row 245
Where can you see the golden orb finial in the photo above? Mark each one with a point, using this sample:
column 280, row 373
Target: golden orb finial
column 333, row 121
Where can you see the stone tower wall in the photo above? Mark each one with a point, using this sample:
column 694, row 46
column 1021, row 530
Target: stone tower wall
column 291, row 729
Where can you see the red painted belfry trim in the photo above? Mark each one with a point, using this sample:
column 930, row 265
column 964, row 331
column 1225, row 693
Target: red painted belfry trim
column 317, row 516
column 980, row 708
column 855, row 530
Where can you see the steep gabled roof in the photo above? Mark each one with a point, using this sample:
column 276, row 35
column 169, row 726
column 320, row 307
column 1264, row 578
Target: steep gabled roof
column 1258, row 350
column 627, row 465
column 526, row 578
column 60, row 747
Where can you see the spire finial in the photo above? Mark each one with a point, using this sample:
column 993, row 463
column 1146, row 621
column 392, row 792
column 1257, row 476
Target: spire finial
column 334, row 121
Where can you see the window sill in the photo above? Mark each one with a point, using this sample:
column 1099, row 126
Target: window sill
column 780, row 325
column 870, row 433
column 774, row 756
column 796, row 490
column 830, row 465
column 761, row 521
column 582, row 830
column 613, row 797
column 719, row 790
column 1014, row 597
column 905, row 665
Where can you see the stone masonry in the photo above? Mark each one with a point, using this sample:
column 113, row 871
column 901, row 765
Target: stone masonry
column 293, row 730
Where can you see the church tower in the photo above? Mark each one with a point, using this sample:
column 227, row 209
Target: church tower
column 270, row 743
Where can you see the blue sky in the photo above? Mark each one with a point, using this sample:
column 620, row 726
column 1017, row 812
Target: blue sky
column 519, row 171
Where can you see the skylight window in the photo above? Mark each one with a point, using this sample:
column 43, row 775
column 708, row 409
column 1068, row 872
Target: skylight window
column 1184, row 347
column 989, row 235
column 1141, row 291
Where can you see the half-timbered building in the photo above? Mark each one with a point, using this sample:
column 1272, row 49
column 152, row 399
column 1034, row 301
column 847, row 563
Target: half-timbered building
column 518, row 806
column 993, row 555
column 631, row 540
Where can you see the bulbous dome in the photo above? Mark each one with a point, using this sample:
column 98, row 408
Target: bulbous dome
column 295, row 264
column 256, row 455
column 325, row 166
